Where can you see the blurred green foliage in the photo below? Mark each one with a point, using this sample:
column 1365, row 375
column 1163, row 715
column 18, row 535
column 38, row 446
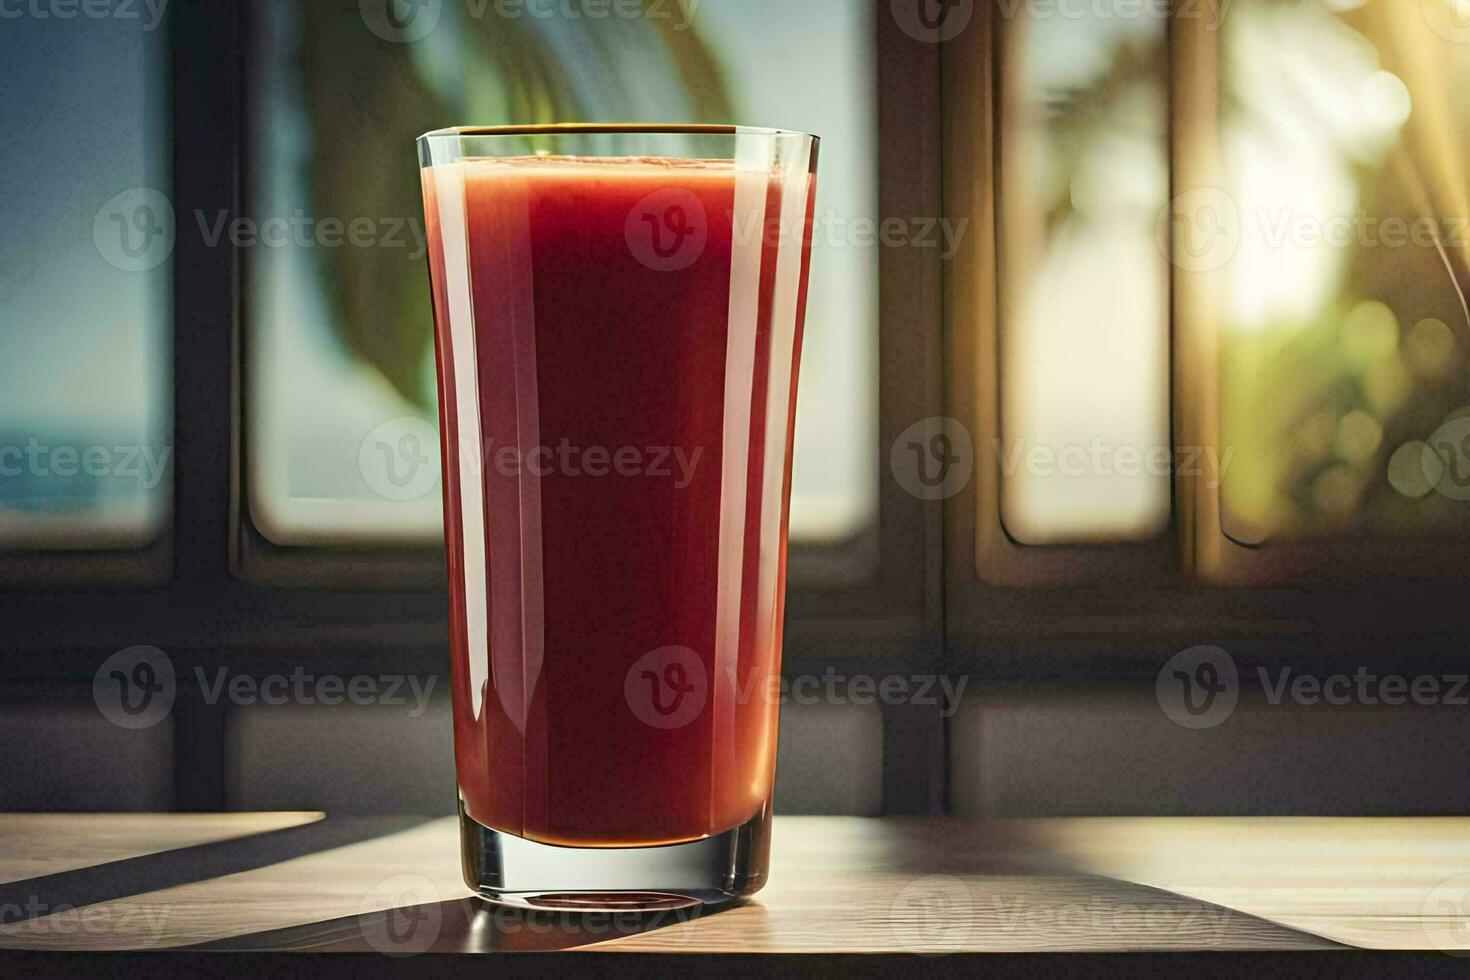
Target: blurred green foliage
column 367, row 99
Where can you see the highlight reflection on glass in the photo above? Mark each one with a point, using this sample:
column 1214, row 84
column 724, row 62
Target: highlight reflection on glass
column 618, row 320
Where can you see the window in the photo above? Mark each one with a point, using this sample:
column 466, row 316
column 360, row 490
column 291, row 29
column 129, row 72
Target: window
column 338, row 341
column 1083, row 285
column 1326, row 374
column 1279, row 350
column 85, row 276
column 1343, row 319
column 1320, row 324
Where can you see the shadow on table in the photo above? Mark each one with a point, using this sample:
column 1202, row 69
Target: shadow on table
column 77, row 888
column 466, row 925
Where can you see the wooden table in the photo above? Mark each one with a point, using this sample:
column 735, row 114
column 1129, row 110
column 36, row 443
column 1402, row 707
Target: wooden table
column 209, row 887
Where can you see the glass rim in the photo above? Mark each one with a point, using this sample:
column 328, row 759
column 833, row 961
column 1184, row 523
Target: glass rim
column 614, row 129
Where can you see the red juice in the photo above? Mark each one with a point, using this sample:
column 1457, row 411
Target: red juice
column 617, row 366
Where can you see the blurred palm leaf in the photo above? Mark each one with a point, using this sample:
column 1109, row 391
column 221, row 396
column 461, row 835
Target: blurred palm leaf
column 367, row 99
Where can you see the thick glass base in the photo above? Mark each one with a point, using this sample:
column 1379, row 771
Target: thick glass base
column 519, row 873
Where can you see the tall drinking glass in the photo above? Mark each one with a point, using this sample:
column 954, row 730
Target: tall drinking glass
column 618, row 315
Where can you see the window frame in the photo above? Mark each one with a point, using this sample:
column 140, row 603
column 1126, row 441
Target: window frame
column 1113, row 616
column 146, row 565
column 1119, row 612
column 973, row 307
column 1213, row 555
column 219, row 593
column 891, row 605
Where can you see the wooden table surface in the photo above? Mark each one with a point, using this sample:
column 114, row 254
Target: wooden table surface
column 305, row 883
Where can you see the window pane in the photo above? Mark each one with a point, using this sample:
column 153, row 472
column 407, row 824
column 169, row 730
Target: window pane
column 1084, row 321
column 339, row 335
column 85, row 324
column 1343, row 140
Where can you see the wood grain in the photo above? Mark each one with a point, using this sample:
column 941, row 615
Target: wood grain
column 839, row 885
column 35, row 844
column 1377, row 883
